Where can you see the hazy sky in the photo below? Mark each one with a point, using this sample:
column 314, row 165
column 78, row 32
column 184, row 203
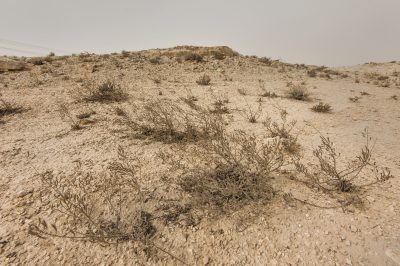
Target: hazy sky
column 335, row 32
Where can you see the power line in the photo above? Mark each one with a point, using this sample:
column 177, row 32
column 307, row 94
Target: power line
column 20, row 51
column 37, row 47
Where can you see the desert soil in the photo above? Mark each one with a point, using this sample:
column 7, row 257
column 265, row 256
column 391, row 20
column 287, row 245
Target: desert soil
column 277, row 233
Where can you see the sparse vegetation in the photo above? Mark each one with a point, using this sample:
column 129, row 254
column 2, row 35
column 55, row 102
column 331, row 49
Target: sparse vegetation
column 66, row 115
column 220, row 108
column 354, row 99
column 191, row 56
column 242, row 91
column 284, row 132
column 298, row 92
column 106, row 208
column 230, row 170
column 198, row 169
column 155, row 60
column 108, row 91
column 322, row 108
column 312, row 73
column 167, row 122
column 269, row 94
column 204, row 80
column 218, row 55
column 265, row 60
column 328, row 176
column 8, row 108
column 252, row 115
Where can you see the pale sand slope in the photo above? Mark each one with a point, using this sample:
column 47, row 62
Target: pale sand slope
column 277, row 234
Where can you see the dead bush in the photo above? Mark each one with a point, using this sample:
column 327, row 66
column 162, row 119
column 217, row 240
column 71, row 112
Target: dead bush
column 108, row 91
column 265, row 60
column 218, row 55
column 269, row 94
column 322, row 108
column 242, row 92
column 109, row 207
column 354, row 99
column 204, row 80
column 66, row 115
column 252, row 115
column 155, row 60
column 226, row 187
column 284, row 132
column 229, row 170
column 219, row 105
column 190, row 56
column 167, row 122
column 96, row 207
column 312, row 73
column 9, row 108
column 298, row 92
column 220, row 108
column 331, row 175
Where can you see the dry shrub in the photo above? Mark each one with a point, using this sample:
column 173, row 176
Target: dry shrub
column 252, row 115
column 190, row 56
column 218, row 55
column 190, row 100
column 106, row 92
column 265, row 60
column 155, row 60
column 97, row 207
column 204, row 80
column 226, row 187
column 9, row 108
column 242, row 91
column 269, row 94
column 66, row 115
column 312, row 73
column 322, row 108
column 354, row 99
column 125, row 53
column 220, row 107
column 110, row 207
column 167, row 122
column 229, row 170
column 330, row 175
column 298, row 92
column 284, row 132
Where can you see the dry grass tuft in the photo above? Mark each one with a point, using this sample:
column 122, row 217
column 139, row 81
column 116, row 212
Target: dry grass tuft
column 218, row 55
column 9, row 108
column 190, row 56
column 220, row 107
column 66, row 115
column 167, row 122
column 107, row 208
column 226, row 187
column 298, row 92
column 106, row 92
column 322, row 108
column 284, row 132
column 204, row 80
column 354, row 99
column 96, row 207
column 330, row 176
column 229, row 170
column 252, row 115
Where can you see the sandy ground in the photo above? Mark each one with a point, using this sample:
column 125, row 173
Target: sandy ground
column 40, row 139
